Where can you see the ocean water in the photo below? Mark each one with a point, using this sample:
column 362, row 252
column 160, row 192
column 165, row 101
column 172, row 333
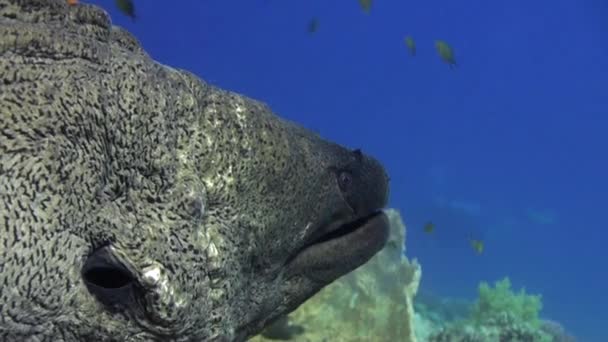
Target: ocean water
column 510, row 147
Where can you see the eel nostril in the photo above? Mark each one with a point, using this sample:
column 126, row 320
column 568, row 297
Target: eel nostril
column 345, row 181
column 109, row 280
column 107, row 277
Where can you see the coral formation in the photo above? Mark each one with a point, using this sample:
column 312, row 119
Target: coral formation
column 441, row 309
column 498, row 315
column 500, row 299
column 373, row 303
column 556, row 331
column 501, row 329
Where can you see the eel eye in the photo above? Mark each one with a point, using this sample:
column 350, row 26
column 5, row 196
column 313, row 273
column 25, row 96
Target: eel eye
column 345, row 181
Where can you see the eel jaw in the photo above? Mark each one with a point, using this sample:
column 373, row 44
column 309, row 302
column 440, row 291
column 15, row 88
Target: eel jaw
column 341, row 247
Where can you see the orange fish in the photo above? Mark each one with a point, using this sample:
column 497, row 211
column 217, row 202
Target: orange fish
column 72, row 2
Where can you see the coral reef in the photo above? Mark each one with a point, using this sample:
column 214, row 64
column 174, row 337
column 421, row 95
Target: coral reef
column 501, row 329
column 501, row 299
column 426, row 325
column 498, row 315
column 375, row 303
column 556, row 331
column 372, row 303
column 441, row 309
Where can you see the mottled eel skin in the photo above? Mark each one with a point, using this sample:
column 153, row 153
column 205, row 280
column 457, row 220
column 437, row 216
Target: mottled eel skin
column 138, row 203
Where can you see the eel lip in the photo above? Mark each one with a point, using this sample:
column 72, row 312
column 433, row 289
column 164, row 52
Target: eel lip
column 340, row 250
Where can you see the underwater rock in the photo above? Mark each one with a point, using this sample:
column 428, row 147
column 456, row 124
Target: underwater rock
column 373, row 303
column 138, row 203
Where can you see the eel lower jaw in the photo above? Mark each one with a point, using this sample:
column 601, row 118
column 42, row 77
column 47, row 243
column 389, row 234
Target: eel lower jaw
column 343, row 249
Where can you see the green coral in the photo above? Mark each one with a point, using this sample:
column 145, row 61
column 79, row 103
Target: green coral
column 499, row 315
column 495, row 302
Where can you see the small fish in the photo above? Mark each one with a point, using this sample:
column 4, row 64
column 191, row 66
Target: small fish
column 445, row 52
column 429, row 227
column 366, row 5
column 477, row 245
column 411, row 45
column 72, row 2
column 313, row 25
column 282, row 329
column 127, row 7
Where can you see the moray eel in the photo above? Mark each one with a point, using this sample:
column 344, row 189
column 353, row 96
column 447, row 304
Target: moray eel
column 139, row 203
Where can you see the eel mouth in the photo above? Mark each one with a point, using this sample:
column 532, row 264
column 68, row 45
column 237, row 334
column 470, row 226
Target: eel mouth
column 339, row 231
column 341, row 247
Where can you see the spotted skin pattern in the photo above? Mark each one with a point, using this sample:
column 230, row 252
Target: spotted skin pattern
column 138, row 203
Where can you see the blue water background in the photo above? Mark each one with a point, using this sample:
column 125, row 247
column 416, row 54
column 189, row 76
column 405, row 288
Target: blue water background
column 510, row 147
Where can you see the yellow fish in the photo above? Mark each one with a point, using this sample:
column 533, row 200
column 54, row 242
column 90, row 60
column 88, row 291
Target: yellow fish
column 366, row 5
column 411, row 45
column 313, row 25
column 477, row 245
column 446, row 53
column 429, row 227
column 127, row 7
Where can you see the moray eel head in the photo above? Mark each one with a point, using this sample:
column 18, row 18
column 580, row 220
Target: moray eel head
column 355, row 229
column 319, row 217
column 139, row 203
